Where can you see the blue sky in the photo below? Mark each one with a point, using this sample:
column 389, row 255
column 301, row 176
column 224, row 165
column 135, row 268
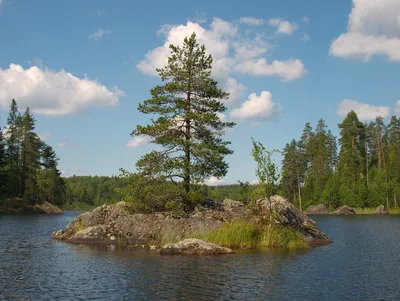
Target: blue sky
column 83, row 67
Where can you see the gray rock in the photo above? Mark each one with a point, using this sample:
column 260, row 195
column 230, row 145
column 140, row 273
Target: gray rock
column 345, row 210
column 381, row 210
column 317, row 209
column 194, row 246
column 284, row 213
column 108, row 221
column 46, row 207
column 230, row 205
column 115, row 224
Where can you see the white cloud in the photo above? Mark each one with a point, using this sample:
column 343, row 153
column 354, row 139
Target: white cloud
column 256, row 107
column 255, row 182
column 138, row 141
column 235, row 90
column 305, row 19
column 373, row 29
column 232, row 50
column 99, row 33
column 214, row 40
column 61, row 144
column 398, row 107
column 246, row 48
column 49, row 92
column 1, row 2
column 213, row 181
column 282, row 26
column 364, row 111
column 251, row 21
column 288, row 70
column 45, row 136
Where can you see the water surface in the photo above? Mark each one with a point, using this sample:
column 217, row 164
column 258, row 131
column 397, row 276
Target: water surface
column 363, row 263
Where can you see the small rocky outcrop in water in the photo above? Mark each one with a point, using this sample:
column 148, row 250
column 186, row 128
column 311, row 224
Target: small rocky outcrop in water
column 22, row 206
column 345, row 210
column 286, row 214
column 193, row 246
column 317, row 209
column 110, row 224
column 381, row 210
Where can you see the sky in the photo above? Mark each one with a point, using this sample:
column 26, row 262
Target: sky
column 82, row 67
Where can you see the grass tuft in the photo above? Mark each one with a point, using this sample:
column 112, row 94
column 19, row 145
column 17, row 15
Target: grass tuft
column 244, row 234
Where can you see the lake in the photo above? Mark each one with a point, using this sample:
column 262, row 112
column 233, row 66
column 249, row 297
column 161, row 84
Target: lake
column 363, row 263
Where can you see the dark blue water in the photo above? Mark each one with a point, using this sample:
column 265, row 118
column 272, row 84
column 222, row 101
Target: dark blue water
column 363, row 263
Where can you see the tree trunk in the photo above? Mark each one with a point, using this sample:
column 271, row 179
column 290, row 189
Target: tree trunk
column 186, row 179
column 299, row 188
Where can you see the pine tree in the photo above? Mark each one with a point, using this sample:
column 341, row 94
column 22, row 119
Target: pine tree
column 3, row 164
column 293, row 173
column 188, row 127
column 13, row 143
column 30, row 154
column 49, row 157
column 352, row 157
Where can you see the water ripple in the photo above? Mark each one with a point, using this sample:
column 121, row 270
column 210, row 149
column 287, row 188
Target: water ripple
column 361, row 264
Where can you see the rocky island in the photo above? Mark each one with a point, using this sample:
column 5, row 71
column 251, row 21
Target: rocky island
column 21, row 206
column 114, row 224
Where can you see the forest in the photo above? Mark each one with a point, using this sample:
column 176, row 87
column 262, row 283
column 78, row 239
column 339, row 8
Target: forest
column 28, row 166
column 359, row 168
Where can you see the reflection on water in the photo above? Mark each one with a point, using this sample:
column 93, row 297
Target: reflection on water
column 361, row 264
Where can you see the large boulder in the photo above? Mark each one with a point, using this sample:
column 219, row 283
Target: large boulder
column 194, row 246
column 284, row 213
column 235, row 208
column 317, row 209
column 115, row 221
column 381, row 210
column 46, row 207
column 345, row 210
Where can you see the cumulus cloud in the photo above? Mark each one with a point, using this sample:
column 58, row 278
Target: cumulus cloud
column 99, row 33
column 138, row 141
column 256, row 107
column 305, row 19
column 213, row 181
column 282, row 26
column 288, row 70
column 235, row 90
column 234, row 51
column 49, row 92
column 365, row 112
column 255, row 182
column 251, row 21
column 373, row 29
